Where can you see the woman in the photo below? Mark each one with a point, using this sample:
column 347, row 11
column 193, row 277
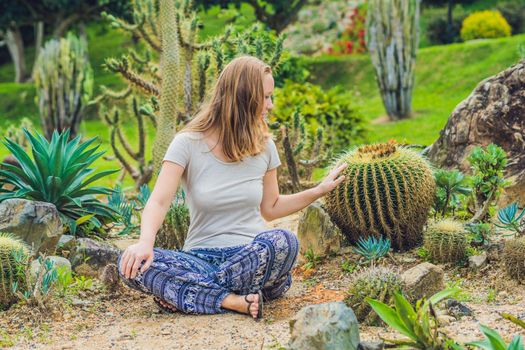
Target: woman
column 227, row 162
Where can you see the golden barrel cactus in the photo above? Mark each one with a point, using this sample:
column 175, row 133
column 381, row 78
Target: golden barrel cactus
column 387, row 191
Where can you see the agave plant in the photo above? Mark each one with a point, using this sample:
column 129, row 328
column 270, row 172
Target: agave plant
column 59, row 172
column 125, row 209
column 372, row 249
column 510, row 219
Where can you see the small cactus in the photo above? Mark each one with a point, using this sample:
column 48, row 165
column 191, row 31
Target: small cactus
column 174, row 229
column 446, row 241
column 11, row 269
column 514, row 257
column 376, row 282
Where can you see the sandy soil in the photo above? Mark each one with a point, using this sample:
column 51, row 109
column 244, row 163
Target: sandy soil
column 129, row 320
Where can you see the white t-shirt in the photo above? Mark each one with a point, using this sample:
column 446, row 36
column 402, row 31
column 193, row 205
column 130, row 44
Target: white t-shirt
column 223, row 198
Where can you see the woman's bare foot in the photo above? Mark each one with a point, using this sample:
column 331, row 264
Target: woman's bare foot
column 166, row 305
column 240, row 303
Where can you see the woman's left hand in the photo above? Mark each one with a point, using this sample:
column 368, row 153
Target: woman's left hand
column 332, row 180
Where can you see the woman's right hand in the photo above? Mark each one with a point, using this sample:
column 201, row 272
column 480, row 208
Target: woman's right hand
column 132, row 258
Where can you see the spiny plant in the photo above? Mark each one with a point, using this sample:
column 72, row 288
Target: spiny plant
column 450, row 185
column 372, row 249
column 189, row 65
column 387, row 191
column 59, row 173
column 446, row 240
column 377, row 282
column 419, row 324
column 10, row 248
column 510, row 219
column 513, row 255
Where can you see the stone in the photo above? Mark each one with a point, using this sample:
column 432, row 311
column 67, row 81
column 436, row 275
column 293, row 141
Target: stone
column 58, row 261
column 476, row 262
column 445, row 320
column 495, row 251
column 371, row 345
column 457, row 309
column 317, row 232
column 492, row 113
column 110, row 278
column 423, row 280
column 94, row 254
column 66, row 242
column 327, row 326
column 36, row 223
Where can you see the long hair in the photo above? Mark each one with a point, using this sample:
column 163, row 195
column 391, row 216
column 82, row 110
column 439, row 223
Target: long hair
column 235, row 109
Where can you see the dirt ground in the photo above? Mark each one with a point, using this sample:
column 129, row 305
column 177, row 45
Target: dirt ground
column 129, row 320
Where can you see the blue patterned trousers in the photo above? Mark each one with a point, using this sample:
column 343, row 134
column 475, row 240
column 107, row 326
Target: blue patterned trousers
column 197, row 281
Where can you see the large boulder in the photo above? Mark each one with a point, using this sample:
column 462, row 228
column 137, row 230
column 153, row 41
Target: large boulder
column 423, row 280
column 317, row 232
column 90, row 256
column 493, row 113
column 328, row 326
column 37, row 223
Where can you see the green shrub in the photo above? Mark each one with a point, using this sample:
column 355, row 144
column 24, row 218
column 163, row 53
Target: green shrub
column 450, row 185
column 514, row 13
column 438, row 32
column 485, row 25
column 59, row 172
column 332, row 110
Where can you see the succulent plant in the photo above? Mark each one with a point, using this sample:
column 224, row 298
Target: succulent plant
column 372, row 249
column 446, row 241
column 514, row 257
column 377, row 282
column 388, row 191
column 11, row 269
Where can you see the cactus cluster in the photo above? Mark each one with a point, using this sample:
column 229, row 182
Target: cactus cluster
column 174, row 229
column 377, row 282
column 514, row 257
column 11, row 269
column 388, row 191
column 446, row 241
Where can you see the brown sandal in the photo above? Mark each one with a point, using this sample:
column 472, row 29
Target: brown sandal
column 261, row 304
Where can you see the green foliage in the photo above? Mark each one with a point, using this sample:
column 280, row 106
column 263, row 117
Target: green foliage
column 372, row 249
column 480, row 233
column 510, row 219
column 514, row 13
column 348, row 266
column 450, row 185
column 13, row 258
column 64, row 84
column 487, row 165
column 292, row 68
column 439, row 31
column 513, row 319
column 375, row 282
column 59, row 172
column 419, row 324
column 485, row 25
column 16, row 132
column 494, row 341
column 332, row 110
column 124, row 209
column 423, row 253
column 387, row 191
column 312, row 259
column 513, row 255
column 446, row 241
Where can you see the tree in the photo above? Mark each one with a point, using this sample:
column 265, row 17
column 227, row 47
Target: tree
column 450, row 7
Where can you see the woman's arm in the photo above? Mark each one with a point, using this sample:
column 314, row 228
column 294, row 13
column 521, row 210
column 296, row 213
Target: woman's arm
column 275, row 205
column 151, row 220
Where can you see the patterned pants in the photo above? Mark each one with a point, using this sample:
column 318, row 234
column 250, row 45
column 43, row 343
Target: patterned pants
column 197, row 281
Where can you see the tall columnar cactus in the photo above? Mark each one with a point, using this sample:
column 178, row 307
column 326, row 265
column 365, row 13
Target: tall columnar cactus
column 64, row 84
column 387, row 191
column 171, row 91
column 392, row 38
column 446, row 241
column 376, row 282
column 514, row 256
column 11, row 269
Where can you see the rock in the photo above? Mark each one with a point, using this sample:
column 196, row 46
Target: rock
column 493, row 113
column 495, row 251
column 66, row 242
column 423, row 280
column 476, row 262
column 457, row 309
column 316, row 231
column 37, row 223
column 110, row 278
column 328, row 326
column 58, row 261
column 371, row 345
column 94, row 254
column 445, row 320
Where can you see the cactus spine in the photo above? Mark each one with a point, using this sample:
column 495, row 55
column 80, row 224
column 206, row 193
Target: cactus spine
column 11, row 269
column 64, row 83
column 376, row 282
column 392, row 38
column 514, row 256
column 446, row 241
column 387, row 191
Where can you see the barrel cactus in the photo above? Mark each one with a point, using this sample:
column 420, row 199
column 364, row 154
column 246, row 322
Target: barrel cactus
column 446, row 241
column 388, row 191
column 377, row 282
column 514, row 257
column 13, row 257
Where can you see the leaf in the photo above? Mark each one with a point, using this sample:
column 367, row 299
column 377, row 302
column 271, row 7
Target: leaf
column 390, row 317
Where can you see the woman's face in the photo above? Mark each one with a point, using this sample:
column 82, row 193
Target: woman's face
column 268, row 86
